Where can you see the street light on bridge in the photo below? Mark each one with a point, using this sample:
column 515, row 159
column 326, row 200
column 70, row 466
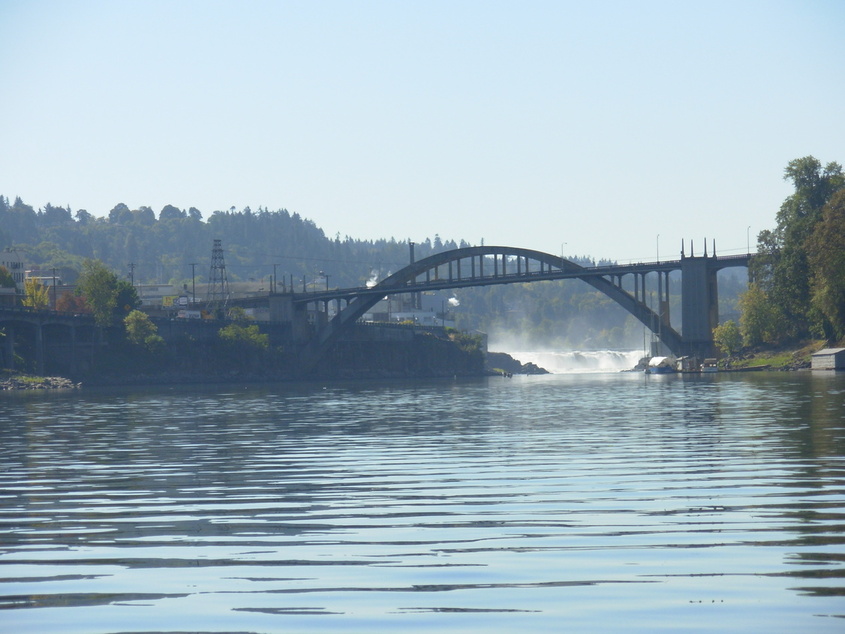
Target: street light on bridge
column 658, row 247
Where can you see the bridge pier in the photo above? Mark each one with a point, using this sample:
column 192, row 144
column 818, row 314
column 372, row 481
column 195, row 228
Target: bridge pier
column 699, row 306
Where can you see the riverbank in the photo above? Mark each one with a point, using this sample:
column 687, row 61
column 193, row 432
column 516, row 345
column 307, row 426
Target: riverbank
column 498, row 363
column 797, row 356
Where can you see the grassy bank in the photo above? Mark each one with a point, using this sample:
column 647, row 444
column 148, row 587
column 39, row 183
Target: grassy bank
column 792, row 357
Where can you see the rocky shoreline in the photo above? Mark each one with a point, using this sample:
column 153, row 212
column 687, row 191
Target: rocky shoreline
column 27, row 382
column 503, row 363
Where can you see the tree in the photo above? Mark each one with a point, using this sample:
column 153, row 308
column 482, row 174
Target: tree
column 728, row 337
column 244, row 337
column 141, row 331
column 70, row 303
column 826, row 256
column 238, row 315
column 52, row 216
column 139, row 326
column 83, row 217
column 35, row 294
column 760, row 320
column 6, row 279
column 120, row 214
column 169, row 212
column 144, row 216
column 127, row 299
column 108, row 296
column 782, row 268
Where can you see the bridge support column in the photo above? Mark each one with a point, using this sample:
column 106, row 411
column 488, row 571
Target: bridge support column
column 282, row 309
column 699, row 306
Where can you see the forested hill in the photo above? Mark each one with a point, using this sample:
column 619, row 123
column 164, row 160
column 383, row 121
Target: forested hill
column 161, row 247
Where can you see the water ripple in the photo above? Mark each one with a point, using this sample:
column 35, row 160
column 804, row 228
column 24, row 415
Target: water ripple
column 493, row 504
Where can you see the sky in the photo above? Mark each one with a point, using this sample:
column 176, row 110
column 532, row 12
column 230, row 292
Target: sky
column 607, row 129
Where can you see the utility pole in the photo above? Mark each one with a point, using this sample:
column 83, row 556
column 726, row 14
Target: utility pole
column 132, row 273
column 54, row 288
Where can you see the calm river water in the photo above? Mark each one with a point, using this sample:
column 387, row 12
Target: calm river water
column 576, row 503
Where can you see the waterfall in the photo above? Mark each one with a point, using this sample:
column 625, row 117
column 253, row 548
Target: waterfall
column 580, row 361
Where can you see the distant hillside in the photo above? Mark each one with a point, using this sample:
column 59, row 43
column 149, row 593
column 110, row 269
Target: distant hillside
column 175, row 244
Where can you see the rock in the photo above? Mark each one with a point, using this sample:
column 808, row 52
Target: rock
column 503, row 363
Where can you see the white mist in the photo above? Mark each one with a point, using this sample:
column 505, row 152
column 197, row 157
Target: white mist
column 579, row 361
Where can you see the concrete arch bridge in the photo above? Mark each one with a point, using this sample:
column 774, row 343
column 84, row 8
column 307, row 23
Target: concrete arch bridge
column 488, row 265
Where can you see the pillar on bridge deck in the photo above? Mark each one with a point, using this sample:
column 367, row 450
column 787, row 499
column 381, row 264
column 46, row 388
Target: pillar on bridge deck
column 281, row 307
column 699, row 306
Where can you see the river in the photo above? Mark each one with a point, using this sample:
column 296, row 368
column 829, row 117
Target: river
column 592, row 502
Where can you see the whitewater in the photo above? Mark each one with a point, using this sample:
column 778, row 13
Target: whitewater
column 579, row 361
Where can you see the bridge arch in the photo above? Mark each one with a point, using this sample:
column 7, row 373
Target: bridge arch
column 529, row 265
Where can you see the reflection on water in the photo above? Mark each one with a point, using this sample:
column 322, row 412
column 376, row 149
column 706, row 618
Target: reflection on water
column 604, row 502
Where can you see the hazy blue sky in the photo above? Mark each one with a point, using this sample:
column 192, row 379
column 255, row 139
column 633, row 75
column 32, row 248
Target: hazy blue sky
column 599, row 125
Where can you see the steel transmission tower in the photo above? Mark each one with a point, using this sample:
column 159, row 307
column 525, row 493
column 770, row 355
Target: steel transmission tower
column 218, row 284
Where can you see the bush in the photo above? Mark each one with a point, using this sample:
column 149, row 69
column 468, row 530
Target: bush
column 728, row 338
column 248, row 336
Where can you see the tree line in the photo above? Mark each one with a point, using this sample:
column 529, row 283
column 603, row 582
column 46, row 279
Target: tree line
column 174, row 246
column 797, row 279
